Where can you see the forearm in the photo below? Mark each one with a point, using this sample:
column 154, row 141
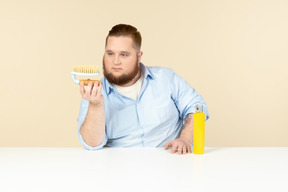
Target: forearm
column 93, row 128
column 187, row 129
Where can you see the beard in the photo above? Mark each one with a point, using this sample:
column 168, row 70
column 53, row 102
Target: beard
column 122, row 79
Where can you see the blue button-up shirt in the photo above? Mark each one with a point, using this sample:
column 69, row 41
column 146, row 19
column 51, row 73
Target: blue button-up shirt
column 154, row 119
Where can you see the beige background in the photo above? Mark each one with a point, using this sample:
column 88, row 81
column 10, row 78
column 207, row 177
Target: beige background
column 234, row 53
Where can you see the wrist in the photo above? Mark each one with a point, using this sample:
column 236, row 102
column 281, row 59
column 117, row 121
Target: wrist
column 96, row 105
column 186, row 138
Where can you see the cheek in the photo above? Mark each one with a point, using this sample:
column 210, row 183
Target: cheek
column 129, row 64
column 131, row 61
column 107, row 61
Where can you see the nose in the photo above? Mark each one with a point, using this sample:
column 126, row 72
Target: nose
column 116, row 60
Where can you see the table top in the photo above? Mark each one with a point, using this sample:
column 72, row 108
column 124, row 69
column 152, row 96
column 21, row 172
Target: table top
column 143, row 169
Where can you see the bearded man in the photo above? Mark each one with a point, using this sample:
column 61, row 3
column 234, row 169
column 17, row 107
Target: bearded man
column 136, row 106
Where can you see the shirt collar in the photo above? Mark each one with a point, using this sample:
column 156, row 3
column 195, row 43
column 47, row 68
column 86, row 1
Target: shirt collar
column 147, row 74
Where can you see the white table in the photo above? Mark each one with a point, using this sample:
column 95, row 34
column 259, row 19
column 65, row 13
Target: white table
column 143, row 169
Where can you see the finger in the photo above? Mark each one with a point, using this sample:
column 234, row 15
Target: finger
column 94, row 89
column 180, row 149
column 189, row 149
column 174, row 148
column 184, row 150
column 92, row 85
column 169, row 144
column 82, row 90
column 88, row 89
column 99, row 89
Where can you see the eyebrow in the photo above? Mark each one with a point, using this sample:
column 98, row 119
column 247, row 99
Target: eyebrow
column 126, row 52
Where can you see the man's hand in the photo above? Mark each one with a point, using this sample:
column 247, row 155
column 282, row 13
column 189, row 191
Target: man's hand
column 180, row 145
column 183, row 144
column 92, row 92
column 93, row 128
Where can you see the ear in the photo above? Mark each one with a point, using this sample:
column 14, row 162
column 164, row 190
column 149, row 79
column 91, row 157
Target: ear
column 140, row 55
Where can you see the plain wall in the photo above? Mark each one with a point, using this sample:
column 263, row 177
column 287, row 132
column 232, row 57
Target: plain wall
column 234, row 53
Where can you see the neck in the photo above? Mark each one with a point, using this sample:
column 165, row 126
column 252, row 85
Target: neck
column 134, row 80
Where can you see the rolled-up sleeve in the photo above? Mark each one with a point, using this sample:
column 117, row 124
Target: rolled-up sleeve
column 185, row 97
column 81, row 118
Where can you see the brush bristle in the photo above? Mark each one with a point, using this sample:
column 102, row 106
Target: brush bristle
column 86, row 69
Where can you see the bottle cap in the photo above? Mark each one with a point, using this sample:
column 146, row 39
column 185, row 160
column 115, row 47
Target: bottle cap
column 198, row 108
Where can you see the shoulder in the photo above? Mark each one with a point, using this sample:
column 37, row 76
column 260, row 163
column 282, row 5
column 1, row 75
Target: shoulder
column 167, row 76
column 161, row 72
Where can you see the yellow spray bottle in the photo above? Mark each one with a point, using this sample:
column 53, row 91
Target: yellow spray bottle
column 199, row 130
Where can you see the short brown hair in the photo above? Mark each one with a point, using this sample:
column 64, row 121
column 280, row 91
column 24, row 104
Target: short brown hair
column 126, row 30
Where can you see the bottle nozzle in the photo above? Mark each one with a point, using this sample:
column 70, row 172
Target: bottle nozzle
column 198, row 108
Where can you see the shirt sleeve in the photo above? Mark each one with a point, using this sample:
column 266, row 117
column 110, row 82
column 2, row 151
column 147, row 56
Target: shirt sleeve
column 81, row 118
column 185, row 97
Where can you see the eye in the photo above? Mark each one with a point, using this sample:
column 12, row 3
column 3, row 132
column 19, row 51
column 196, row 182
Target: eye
column 109, row 53
column 124, row 55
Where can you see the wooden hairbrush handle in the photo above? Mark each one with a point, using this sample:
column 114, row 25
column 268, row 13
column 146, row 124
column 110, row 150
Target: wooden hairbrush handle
column 87, row 81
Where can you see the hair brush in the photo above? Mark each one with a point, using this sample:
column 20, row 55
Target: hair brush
column 85, row 71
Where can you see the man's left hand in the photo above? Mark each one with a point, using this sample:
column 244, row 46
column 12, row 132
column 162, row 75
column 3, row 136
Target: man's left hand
column 180, row 145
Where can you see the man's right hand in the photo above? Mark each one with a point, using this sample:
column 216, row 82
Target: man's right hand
column 92, row 93
column 93, row 128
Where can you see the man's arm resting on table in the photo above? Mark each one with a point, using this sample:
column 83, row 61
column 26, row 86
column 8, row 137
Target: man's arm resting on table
column 184, row 143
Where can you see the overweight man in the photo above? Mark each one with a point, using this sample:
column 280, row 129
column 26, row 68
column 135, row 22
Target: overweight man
column 137, row 105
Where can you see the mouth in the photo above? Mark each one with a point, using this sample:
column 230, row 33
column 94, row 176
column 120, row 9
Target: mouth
column 116, row 69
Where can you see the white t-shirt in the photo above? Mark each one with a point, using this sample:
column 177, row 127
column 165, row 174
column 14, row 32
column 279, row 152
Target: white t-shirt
column 131, row 91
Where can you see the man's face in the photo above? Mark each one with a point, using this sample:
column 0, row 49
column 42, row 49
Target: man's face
column 121, row 62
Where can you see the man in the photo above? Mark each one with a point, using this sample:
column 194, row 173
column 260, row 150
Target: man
column 137, row 106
